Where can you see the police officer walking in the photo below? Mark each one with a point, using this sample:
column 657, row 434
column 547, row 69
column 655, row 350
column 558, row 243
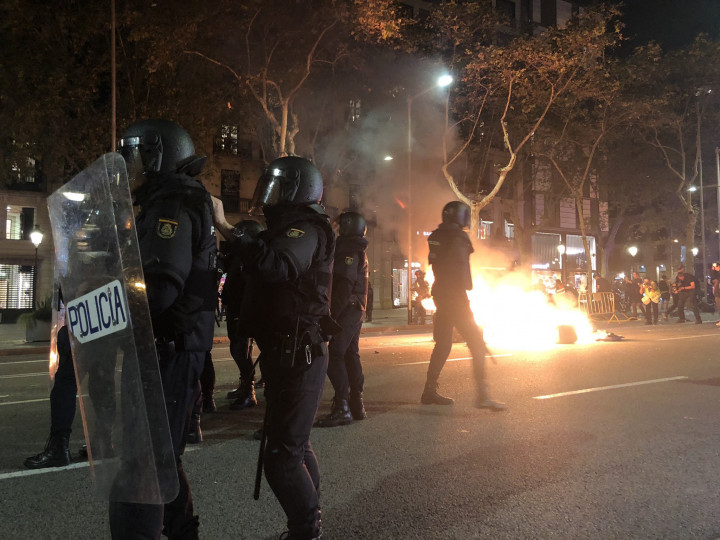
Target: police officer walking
column 178, row 250
column 289, row 268
column 349, row 300
column 450, row 250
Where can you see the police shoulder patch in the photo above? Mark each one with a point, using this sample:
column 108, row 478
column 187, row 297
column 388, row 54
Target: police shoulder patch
column 349, row 260
column 295, row 233
column 166, row 228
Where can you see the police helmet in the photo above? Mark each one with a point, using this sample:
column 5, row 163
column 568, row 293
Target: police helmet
column 456, row 212
column 159, row 146
column 288, row 180
column 351, row 224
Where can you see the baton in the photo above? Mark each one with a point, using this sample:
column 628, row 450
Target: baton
column 263, row 440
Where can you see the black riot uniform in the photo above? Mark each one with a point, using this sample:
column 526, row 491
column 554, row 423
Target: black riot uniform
column 240, row 342
column 178, row 251
column 288, row 297
column 349, row 300
column 450, row 250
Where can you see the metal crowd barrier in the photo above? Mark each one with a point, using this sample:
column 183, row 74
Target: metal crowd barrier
column 599, row 304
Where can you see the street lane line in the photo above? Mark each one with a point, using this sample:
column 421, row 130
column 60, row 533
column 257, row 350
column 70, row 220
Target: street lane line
column 687, row 337
column 20, row 375
column 32, row 472
column 80, row 465
column 26, row 401
column 452, row 359
column 599, row 388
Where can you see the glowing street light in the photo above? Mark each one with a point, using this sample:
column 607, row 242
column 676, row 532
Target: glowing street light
column 36, row 237
column 442, row 81
column 632, row 250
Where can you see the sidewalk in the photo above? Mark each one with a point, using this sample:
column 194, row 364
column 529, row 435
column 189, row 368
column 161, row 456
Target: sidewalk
column 12, row 336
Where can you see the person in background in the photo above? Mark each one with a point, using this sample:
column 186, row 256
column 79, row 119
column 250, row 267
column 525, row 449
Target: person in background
column 602, row 284
column 715, row 280
column 687, row 290
column 240, row 342
column 664, row 288
column 450, row 250
column 62, row 404
column 651, row 298
column 347, row 307
column 420, row 291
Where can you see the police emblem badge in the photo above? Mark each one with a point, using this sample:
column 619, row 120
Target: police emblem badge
column 349, row 260
column 295, row 233
column 166, row 228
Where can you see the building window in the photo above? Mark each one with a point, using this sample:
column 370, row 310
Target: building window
column 548, row 13
column 506, row 8
column 19, row 223
column 226, row 141
column 485, row 230
column 16, row 286
column 230, row 189
column 354, row 110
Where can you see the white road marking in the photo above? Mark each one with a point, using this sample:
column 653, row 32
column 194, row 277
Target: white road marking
column 451, row 359
column 21, row 375
column 26, row 401
column 80, row 465
column 43, row 360
column 32, row 472
column 612, row 387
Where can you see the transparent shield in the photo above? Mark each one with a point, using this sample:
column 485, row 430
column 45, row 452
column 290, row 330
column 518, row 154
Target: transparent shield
column 121, row 400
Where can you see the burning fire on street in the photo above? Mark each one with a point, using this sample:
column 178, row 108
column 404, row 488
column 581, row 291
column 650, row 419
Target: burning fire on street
column 515, row 317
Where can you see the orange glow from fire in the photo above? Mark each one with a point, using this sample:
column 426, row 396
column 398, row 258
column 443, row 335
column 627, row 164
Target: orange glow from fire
column 514, row 317
column 400, row 203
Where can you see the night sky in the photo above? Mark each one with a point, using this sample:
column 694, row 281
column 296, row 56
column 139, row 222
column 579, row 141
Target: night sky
column 673, row 23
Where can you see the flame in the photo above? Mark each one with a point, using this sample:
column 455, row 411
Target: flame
column 400, row 203
column 514, row 317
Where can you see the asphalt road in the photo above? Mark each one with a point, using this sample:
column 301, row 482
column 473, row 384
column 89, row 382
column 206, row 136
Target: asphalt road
column 609, row 440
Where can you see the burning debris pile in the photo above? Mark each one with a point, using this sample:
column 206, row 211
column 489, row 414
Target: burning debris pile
column 513, row 316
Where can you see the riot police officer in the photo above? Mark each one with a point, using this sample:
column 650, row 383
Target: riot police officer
column 450, row 250
column 287, row 307
column 349, row 300
column 178, row 250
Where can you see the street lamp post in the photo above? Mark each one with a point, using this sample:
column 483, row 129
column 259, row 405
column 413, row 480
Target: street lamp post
column 717, row 172
column 632, row 250
column 443, row 81
column 36, row 237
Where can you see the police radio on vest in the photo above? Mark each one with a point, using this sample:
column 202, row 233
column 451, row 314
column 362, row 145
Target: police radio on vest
column 98, row 313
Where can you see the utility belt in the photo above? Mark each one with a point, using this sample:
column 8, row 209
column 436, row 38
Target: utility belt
column 297, row 349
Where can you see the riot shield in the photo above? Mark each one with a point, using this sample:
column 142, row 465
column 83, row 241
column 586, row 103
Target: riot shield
column 107, row 315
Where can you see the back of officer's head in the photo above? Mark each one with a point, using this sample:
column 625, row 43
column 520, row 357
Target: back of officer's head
column 456, row 212
column 351, row 224
column 159, row 146
column 289, row 180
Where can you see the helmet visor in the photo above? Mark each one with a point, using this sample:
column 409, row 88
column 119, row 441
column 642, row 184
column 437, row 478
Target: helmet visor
column 267, row 193
column 129, row 149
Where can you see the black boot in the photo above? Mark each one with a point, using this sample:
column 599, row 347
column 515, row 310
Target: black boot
column 357, row 407
column 483, row 401
column 246, row 395
column 430, row 396
column 194, row 435
column 339, row 415
column 233, row 394
column 56, row 453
